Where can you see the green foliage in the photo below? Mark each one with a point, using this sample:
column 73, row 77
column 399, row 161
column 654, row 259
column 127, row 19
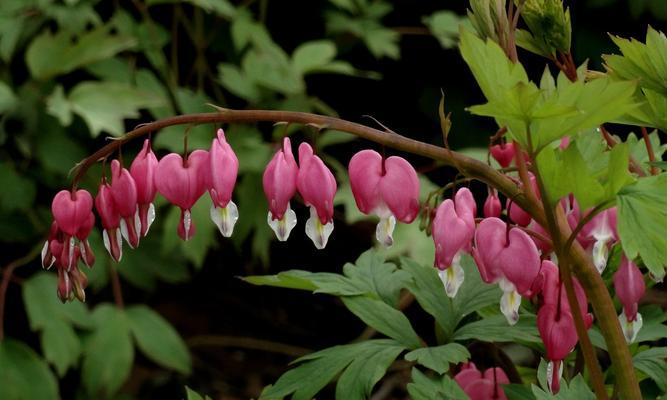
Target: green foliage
column 439, row 358
column 642, row 221
column 652, row 363
column 24, row 375
column 192, row 395
column 575, row 389
column 361, row 365
column 549, row 25
column 425, row 388
column 444, row 25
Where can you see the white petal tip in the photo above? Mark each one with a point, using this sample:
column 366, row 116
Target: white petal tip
column 384, row 230
column 282, row 227
column 317, row 232
column 630, row 328
column 452, row 278
column 225, row 218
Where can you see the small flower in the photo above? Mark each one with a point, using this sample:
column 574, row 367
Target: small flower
column 110, row 218
column 630, row 287
column 387, row 188
column 601, row 232
column 453, row 230
column 86, row 251
column 482, row 386
column 124, row 193
column 72, row 213
column 492, row 206
column 279, row 181
column 224, row 167
column 143, row 172
column 503, row 153
column 182, row 182
column 317, row 186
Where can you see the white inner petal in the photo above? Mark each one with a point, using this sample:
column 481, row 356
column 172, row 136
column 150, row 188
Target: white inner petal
column 225, row 218
column 123, row 231
column 630, row 329
column 107, row 243
column 317, row 232
column 509, row 306
column 600, row 254
column 46, row 264
column 385, row 229
column 150, row 217
column 137, row 223
column 82, row 249
column 453, row 276
column 187, row 223
column 550, row 374
column 70, row 261
column 282, row 227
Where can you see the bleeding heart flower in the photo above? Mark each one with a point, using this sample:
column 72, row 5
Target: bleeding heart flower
column 387, row 188
column 87, row 254
column 482, row 386
column 601, row 231
column 279, row 183
column 143, row 172
column 452, row 233
column 224, row 169
column 124, row 193
column 48, row 258
column 630, row 287
column 510, row 258
column 317, row 186
column 492, row 206
column 110, row 218
column 71, row 210
column 503, row 153
column 183, row 182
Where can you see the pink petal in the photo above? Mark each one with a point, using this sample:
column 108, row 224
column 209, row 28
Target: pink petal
column 106, row 208
column 316, row 183
column 182, row 183
column 143, row 172
column 520, row 261
column 71, row 210
column 399, row 188
column 492, row 206
column 279, row 180
column 451, row 234
column 365, row 170
column 224, row 169
column 490, row 239
column 629, row 286
column 123, row 190
column 503, row 153
column 557, row 331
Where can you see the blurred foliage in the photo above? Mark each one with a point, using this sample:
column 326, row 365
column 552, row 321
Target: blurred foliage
column 74, row 72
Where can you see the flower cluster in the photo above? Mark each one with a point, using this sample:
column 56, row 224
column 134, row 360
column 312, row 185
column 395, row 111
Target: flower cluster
column 480, row 385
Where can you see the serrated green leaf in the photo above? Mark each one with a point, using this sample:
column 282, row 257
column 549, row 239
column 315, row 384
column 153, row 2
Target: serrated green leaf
column 53, row 54
column 314, row 54
column 383, row 318
column 108, row 352
column 24, row 375
column 425, row 388
column 440, row 357
column 642, row 221
column 316, row 370
column 158, row 340
column 377, row 276
column 496, row 329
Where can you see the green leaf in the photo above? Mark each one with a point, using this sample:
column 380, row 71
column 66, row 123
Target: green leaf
column 158, row 340
column 575, row 389
column 642, row 221
column 108, row 353
column 384, row 319
column 222, row 8
column 54, row 54
column 516, row 391
column 232, row 79
column 24, row 375
column 438, row 358
column 61, row 345
column 312, row 55
column 444, row 25
column 7, row 98
column 425, row 388
column 652, row 363
column 496, row 329
column 382, row 42
column 104, row 105
column 43, row 306
column 366, row 361
column 18, row 192
column 192, row 395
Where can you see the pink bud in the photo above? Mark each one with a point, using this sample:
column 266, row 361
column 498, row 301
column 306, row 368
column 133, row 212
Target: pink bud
column 564, row 142
column 143, row 170
column 388, row 188
column 490, row 239
column 600, row 233
column 279, row 180
column 557, row 331
column 492, row 206
column 71, row 210
column 64, row 286
column 182, row 182
column 630, row 287
column 87, row 254
column 503, row 153
column 517, row 214
column 466, row 207
column 317, row 186
column 520, row 261
column 482, row 386
column 110, row 221
column 124, row 193
column 224, row 169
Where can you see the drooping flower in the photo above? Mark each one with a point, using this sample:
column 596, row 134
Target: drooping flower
column 86, row 251
column 124, row 193
column 48, row 258
column 143, row 170
column 387, row 188
column 183, row 182
column 492, row 206
column 600, row 233
column 630, row 287
column 317, row 186
column 71, row 211
column 503, row 153
column 555, row 322
column 279, row 181
column 110, row 218
column 224, row 167
column 453, row 230
column 482, row 386
column 509, row 258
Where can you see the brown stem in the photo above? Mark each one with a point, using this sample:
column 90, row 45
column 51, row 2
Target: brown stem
column 7, row 277
column 611, row 142
column 589, row 277
column 649, row 150
column 116, row 288
column 591, row 360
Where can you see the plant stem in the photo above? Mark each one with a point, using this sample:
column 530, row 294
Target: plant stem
column 649, row 150
column 116, row 288
column 590, row 279
column 6, row 277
